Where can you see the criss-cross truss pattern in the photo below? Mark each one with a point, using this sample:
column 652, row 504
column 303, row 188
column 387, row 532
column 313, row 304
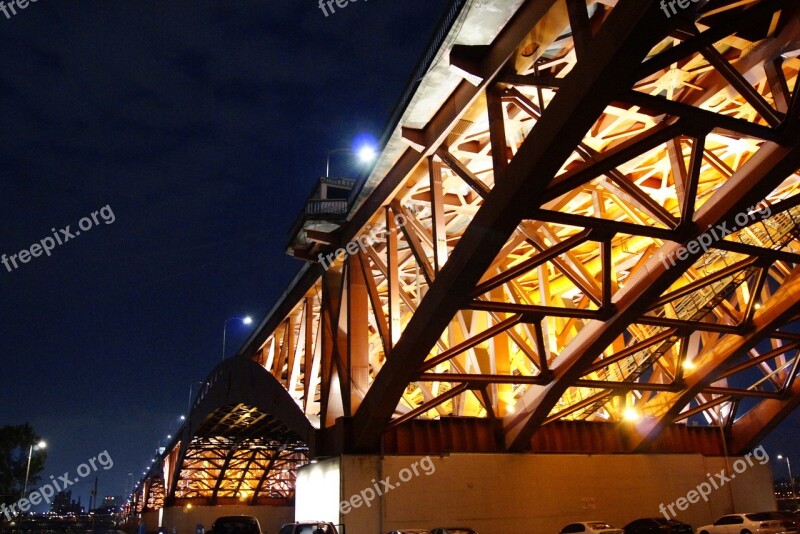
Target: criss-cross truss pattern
column 248, row 471
column 596, row 222
column 238, row 455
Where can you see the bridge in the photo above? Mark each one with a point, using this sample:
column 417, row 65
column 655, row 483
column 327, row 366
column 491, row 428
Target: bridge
column 578, row 250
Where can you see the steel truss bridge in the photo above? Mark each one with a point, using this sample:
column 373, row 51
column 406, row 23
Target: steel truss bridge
column 581, row 236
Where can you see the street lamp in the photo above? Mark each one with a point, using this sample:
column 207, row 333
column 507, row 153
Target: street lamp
column 40, row 445
column 365, row 154
column 791, row 479
column 245, row 320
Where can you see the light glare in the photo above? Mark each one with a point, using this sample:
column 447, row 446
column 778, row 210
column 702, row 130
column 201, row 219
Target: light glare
column 366, row 154
column 631, row 414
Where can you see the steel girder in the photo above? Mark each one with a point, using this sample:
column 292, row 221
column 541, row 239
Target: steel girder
column 243, row 442
column 550, row 248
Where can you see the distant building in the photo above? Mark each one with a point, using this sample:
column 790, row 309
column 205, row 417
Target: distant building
column 109, row 500
column 64, row 505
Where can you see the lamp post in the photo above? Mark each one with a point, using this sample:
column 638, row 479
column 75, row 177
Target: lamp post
column 366, row 154
column 791, row 479
column 40, row 445
column 245, row 320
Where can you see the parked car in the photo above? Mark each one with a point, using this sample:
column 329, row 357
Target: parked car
column 590, row 527
column 758, row 523
column 657, row 525
column 236, row 524
column 453, row 530
column 310, row 527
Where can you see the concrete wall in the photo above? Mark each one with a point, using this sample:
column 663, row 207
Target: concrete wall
column 185, row 519
column 498, row 493
column 151, row 520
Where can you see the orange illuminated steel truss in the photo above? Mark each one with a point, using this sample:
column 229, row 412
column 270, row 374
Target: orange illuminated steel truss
column 544, row 289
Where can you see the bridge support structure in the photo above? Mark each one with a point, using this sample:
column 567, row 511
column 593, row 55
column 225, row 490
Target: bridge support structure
column 500, row 493
column 185, row 519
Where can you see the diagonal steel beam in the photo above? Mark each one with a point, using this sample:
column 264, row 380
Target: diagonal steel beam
column 754, row 180
column 632, row 28
column 751, row 428
column 782, row 306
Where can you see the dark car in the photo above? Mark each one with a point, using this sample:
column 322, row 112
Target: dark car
column 657, row 525
column 236, row 524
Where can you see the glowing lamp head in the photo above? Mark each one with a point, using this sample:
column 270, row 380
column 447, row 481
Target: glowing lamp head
column 247, row 320
column 366, row 154
column 631, row 415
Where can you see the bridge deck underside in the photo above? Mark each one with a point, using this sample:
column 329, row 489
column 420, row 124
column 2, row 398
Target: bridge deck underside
column 238, row 455
column 598, row 225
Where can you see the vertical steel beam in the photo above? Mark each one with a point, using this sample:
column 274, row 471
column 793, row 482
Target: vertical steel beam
column 438, row 223
column 357, row 334
column 579, row 23
column 497, row 131
column 630, row 31
column 393, row 278
column 777, row 83
column 291, row 351
column 308, row 359
column 331, row 404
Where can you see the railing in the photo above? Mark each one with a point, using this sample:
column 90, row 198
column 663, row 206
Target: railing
column 323, row 209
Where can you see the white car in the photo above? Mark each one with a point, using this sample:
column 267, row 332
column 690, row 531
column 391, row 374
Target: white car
column 760, row 523
column 590, row 527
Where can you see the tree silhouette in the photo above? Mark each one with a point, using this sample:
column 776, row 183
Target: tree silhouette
column 15, row 443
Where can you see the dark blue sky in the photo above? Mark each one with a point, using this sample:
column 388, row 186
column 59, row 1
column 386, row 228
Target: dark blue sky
column 202, row 124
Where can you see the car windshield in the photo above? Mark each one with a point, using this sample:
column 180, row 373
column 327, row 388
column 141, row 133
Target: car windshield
column 599, row 525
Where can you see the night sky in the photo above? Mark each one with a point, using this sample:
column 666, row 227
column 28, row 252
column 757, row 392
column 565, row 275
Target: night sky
column 201, row 126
